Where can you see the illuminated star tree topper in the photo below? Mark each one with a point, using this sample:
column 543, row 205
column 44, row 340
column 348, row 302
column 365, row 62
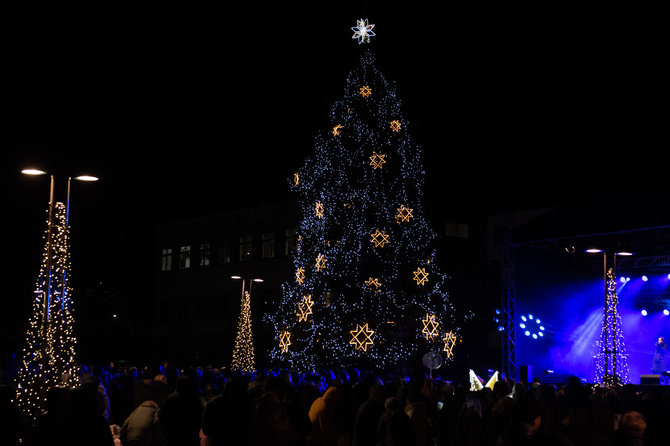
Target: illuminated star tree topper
column 363, row 31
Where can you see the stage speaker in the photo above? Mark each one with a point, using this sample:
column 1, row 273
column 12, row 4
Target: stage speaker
column 526, row 374
column 650, row 379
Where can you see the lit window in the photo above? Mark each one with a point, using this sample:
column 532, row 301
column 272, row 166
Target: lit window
column 224, row 252
column 291, row 241
column 245, row 248
column 185, row 257
column 205, row 250
column 457, row 230
column 268, row 245
column 166, row 259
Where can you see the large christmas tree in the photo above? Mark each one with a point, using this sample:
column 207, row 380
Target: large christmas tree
column 367, row 289
column 49, row 354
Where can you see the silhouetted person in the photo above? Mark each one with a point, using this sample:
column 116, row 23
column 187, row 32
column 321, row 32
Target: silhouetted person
column 180, row 415
column 227, row 419
column 367, row 418
column 88, row 426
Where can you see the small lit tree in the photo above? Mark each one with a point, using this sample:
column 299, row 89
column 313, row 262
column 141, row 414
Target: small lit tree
column 611, row 357
column 243, row 352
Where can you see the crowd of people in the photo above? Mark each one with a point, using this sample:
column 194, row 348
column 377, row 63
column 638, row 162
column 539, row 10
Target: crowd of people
column 205, row 406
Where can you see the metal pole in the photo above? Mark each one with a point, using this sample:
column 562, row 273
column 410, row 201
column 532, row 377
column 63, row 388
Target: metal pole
column 47, row 300
column 614, row 312
column 606, row 347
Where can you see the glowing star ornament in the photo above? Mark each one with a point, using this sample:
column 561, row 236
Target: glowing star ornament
column 318, row 209
column 320, row 262
column 305, row 308
column 300, row 275
column 373, row 284
column 404, row 214
column 449, row 343
column 395, row 125
column 365, row 91
column 363, row 31
column 379, row 238
column 284, row 340
column 430, row 326
column 361, row 337
column 377, row 160
column 337, row 130
column 421, row 276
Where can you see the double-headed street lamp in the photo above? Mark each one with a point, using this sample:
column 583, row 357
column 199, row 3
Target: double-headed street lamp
column 40, row 172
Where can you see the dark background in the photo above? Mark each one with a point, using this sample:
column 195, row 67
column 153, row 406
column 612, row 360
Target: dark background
column 194, row 108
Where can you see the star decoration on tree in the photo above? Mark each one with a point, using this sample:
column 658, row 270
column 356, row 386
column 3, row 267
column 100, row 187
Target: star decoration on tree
column 430, row 325
column 379, row 238
column 377, row 160
column 296, row 178
column 373, row 282
column 404, row 213
column 305, row 308
column 449, row 343
column 318, row 209
column 337, row 130
column 300, row 275
column 395, row 125
column 363, row 31
column 320, row 262
column 365, row 91
column 284, row 340
column 361, row 337
column 421, row 276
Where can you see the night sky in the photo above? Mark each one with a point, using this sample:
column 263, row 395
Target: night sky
column 189, row 109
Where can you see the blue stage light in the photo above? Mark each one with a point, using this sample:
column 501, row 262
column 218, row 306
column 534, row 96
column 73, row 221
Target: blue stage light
column 534, row 336
column 501, row 328
column 542, row 327
column 522, row 325
column 523, row 318
column 527, row 333
column 537, row 321
column 530, row 316
column 539, row 333
column 645, row 278
column 644, row 312
column 666, row 312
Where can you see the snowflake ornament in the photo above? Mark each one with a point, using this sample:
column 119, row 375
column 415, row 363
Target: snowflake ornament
column 362, row 31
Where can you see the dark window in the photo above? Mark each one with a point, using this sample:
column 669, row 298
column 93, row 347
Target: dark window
column 268, row 245
column 224, row 252
column 185, row 257
column 245, row 248
column 166, row 259
column 290, row 241
column 205, row 253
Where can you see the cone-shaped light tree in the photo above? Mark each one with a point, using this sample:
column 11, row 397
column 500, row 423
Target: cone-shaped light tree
column 367, row 289
column 243, row 352
column 49, row 353
column 611, row 359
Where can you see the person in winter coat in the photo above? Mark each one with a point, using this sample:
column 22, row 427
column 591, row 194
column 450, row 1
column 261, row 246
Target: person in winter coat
column 180, row 415
column 322, row 415
column 141, row 425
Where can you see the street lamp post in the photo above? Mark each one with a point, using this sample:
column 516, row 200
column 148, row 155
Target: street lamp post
column 49, row 356
column 50, row 222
